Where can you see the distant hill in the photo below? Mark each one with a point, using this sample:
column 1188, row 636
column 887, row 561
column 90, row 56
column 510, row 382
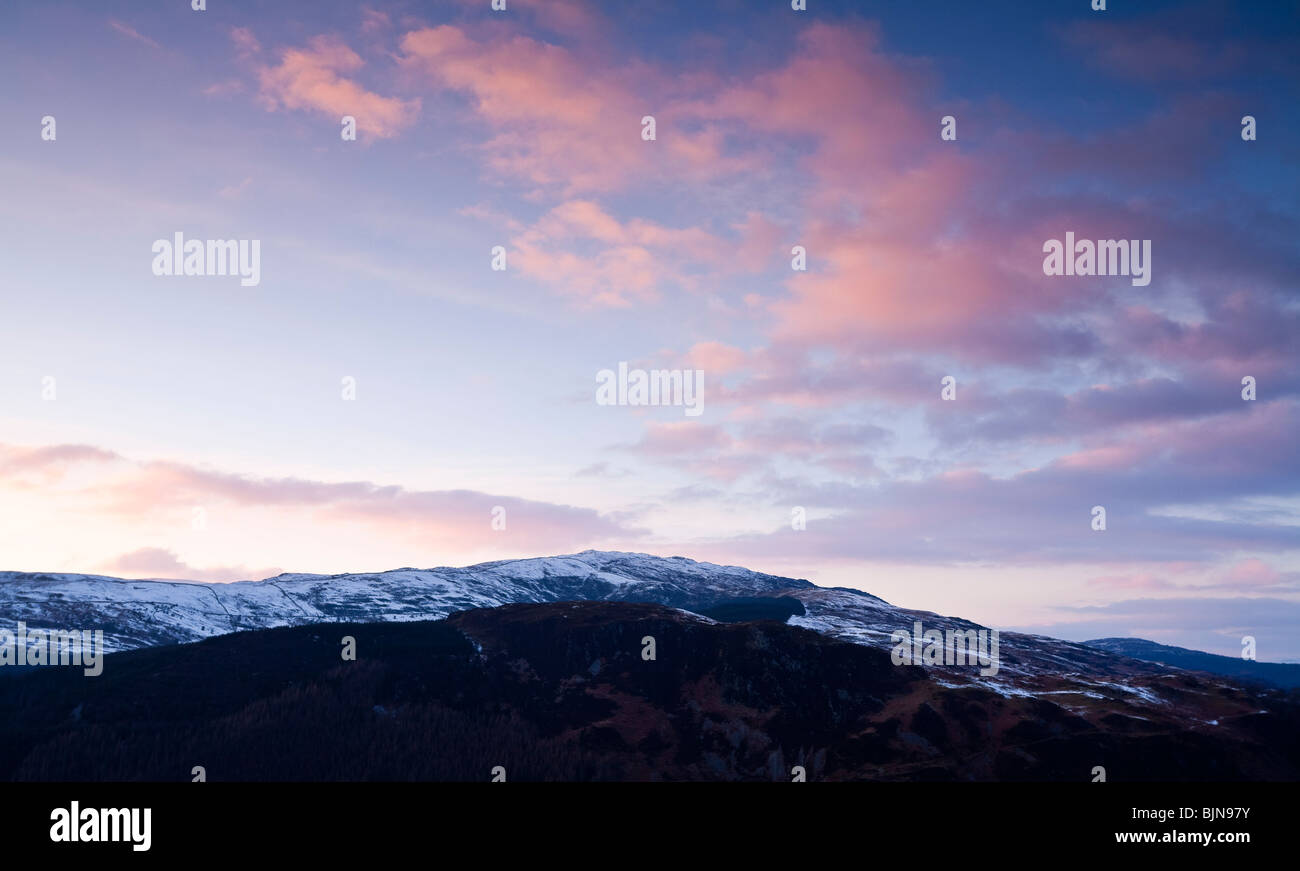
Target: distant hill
column 1277, row 674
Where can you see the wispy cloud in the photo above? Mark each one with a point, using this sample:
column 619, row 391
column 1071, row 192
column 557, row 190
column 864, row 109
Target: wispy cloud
column 131, row 33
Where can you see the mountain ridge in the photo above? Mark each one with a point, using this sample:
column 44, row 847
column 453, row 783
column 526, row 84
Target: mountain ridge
column 1285, row 675
column 148, row 613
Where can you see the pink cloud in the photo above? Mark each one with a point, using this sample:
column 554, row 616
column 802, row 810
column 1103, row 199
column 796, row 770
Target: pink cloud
column 245, row 41
column 583, row 251
column 223, row 88
column 158, row 562
column 1250, row 575
column 144, row 492
column 374, row 21
column 1142, row 581
column 716, row 358
column 857, row 105
column 1252, row 572
column 558, row 122
column 32, row 468
column 313, row 79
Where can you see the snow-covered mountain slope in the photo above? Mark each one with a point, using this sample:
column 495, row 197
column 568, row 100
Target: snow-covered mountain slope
column 856, row 616
column 1075, row 675
column 146, row 613
column 138, row 613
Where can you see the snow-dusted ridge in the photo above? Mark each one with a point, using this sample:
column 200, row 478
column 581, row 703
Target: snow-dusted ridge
column 143, row 613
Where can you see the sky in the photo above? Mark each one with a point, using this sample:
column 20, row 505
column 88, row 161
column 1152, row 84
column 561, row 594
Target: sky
column 383, row 397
